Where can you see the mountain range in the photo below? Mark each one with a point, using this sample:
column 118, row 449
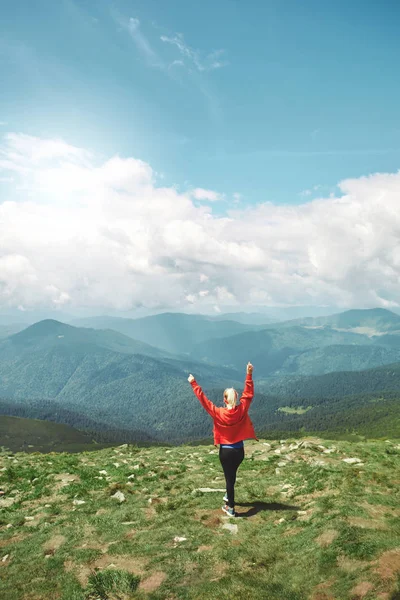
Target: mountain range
column 112, row 381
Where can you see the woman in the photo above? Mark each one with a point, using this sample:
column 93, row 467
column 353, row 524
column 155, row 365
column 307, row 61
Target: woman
column 232, row 425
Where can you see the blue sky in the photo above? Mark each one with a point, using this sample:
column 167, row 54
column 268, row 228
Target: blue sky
column 306, row 93
column 182, row 155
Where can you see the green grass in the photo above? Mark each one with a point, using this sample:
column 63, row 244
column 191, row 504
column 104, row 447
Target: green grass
column 295, row 410
column 309, row 526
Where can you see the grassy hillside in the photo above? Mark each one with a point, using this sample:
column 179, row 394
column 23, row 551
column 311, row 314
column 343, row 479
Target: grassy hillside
column 311, row 526
column 335, row 385
column 370, row 320
column 50, row 334
column 33, row 435
column 174, row 332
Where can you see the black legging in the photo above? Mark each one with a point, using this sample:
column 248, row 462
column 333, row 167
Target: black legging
column 230, row 459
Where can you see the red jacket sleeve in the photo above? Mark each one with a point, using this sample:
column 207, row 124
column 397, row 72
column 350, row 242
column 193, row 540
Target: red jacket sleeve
column 204, row 401
column 248, row 392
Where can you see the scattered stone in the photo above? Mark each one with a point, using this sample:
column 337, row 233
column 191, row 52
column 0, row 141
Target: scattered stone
column 352, row 461
column 178, row 539
column 5, row 558
column 128, row 523
column 277, row 471
column 47, row 505
column 29, row 518
column 119, row 496
column 205, row 490
column 6, row 502
column 9, row 526
column 136, row 467
column 78, row 502
column 266, row 444
column 103, row 472
column 317, row 463
column 281, row 463
column 131, row 476
column 282, row 520
column 230, row 527
column 116, row 465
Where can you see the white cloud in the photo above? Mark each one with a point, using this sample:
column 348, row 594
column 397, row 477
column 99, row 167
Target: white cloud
column 201, row 194
column 195, row 58
column 76, row 230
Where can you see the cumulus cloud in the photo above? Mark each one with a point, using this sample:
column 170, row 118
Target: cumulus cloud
column 81, row 231
column 210, row 195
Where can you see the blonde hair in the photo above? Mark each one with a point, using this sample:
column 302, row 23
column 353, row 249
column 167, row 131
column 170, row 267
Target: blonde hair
column 231, row 396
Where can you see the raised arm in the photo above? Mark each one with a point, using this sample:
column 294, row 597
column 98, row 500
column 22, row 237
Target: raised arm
column 248, row 392
column 204, row 401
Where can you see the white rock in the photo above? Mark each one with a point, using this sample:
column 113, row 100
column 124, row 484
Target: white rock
column 136, row 467
column 352, row 461
column 266, row 444
column 131, row 476
column 78, row 502
column 116, row 465
column 103, row 472
column 119, row 496
column 47, row 505
column 5, row 558
column 230, row 527
column 29, row 518
column 168, row 451
column 282, row 463
column 281, row 520
column 179, row 539
column 9, row 526
column 277, row 471
column 205, row 490
column 301, row 512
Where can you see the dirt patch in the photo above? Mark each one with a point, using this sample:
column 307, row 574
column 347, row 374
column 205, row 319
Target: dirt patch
column 219, row 570
column 388, row 564
column 209, row 518
column 379, row 511
column 81, row 572
column 361, row 590
column 322, row 591
column 204, row 548
column 126, row 563
column 326, row 538
column 14, row 540
column 367, row 523
column 131, row 564
column 349, row 565
column 153, row 582
column 54, row 543
column 36, row 520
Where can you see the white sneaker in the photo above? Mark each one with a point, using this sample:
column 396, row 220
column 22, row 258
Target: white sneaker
column 226, row 498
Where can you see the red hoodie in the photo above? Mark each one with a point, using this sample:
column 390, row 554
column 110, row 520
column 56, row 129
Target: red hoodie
column 230, row 425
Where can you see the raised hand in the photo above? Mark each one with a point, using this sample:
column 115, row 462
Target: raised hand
column 249, row 368
column 190, row 378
